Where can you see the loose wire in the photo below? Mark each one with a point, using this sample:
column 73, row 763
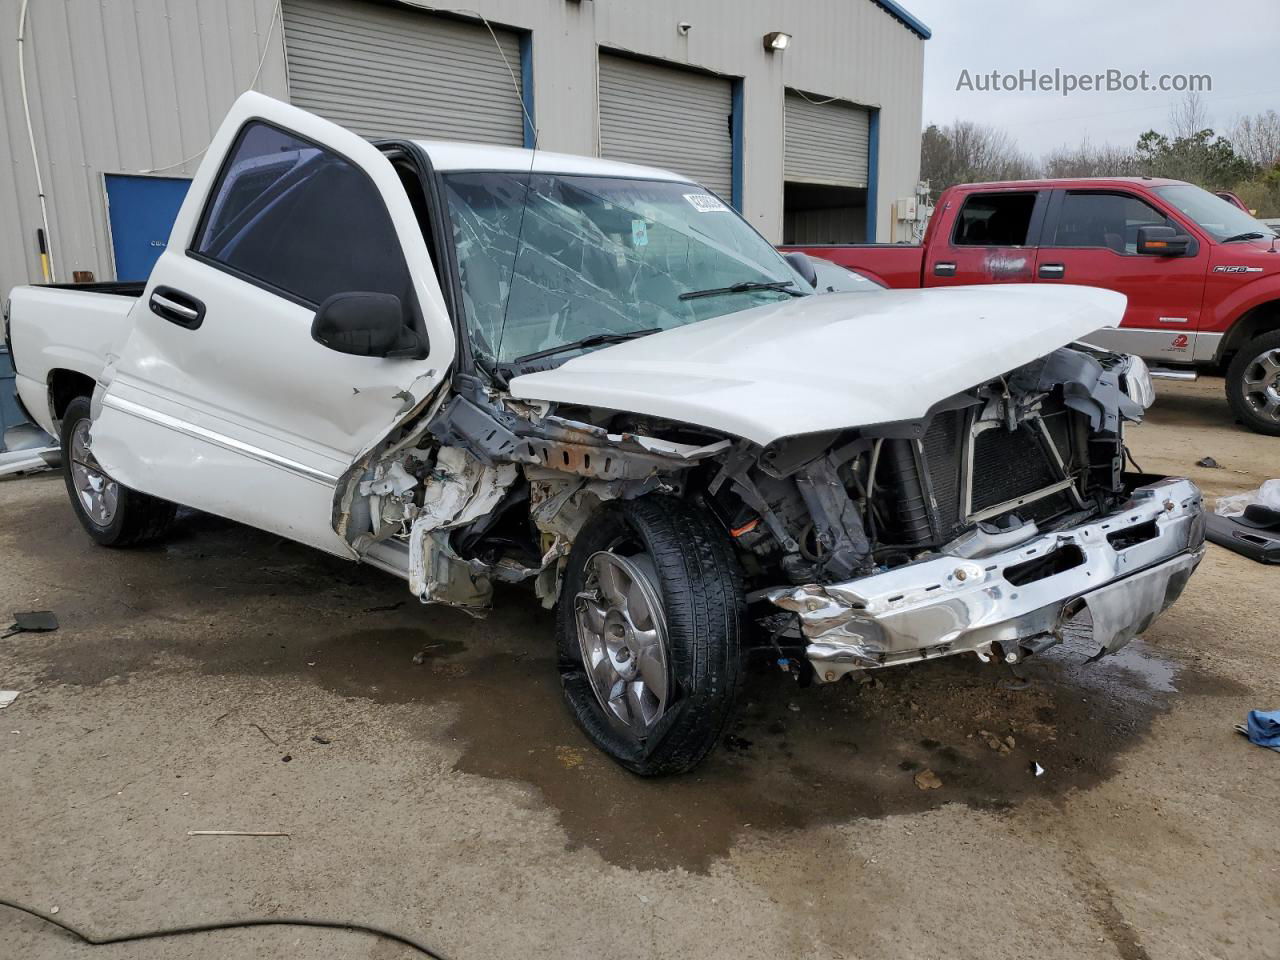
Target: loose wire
column 226, row 925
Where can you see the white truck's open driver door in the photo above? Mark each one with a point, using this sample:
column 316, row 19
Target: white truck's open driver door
column 221, row 399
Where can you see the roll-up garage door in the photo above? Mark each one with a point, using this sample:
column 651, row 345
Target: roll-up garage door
column 667, row 117
column 385, row 71
column 826, row 142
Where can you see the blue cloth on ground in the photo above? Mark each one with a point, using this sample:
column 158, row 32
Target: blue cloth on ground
column 1263, row 728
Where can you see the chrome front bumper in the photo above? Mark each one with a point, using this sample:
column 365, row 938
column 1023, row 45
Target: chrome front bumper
column 951, row 604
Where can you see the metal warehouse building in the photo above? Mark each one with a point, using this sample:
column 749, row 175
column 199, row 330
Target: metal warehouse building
column 805, row 116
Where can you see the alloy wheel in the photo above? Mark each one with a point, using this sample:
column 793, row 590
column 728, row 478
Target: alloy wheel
column 622, row 633
column 99, row 495
column 1262, row 384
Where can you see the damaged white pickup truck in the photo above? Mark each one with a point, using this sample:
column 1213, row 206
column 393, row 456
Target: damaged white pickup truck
column 467, row 365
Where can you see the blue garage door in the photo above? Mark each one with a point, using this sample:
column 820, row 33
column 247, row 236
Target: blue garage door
column 141, row 211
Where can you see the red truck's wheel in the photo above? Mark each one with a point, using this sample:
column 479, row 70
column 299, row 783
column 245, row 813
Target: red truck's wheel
column 1253, row 384
column 110, row 512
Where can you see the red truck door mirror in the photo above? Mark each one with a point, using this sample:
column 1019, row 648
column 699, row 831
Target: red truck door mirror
column 1163, row 242
column 365, row 325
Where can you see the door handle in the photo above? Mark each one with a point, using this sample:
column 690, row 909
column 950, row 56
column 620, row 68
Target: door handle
column 176, row 307
column 1053, row 271
column 944, row 269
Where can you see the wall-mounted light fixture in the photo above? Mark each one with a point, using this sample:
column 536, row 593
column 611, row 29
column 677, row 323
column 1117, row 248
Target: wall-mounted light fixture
column 776, row 41
column 683, row 28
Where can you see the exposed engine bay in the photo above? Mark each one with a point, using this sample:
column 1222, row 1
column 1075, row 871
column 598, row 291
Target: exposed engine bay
column 484, row 488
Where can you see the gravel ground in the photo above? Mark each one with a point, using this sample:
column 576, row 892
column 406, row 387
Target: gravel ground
column 231, row 680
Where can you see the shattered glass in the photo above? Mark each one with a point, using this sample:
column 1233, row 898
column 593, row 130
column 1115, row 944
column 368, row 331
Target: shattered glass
column 595, row 255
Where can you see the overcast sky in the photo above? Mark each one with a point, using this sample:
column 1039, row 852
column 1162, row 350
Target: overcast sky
column 1237, row 42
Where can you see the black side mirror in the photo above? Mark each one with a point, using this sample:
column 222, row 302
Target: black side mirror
column 1163, row 242
column 803, row 266
column 365, row 325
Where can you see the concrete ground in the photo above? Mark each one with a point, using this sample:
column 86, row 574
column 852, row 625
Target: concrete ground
column 231, row 680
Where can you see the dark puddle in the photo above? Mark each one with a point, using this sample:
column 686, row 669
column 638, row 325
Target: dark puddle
column 793, row 758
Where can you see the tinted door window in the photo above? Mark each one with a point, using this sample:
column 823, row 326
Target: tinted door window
column 994, row 220
column 302, row 220
column 1108, row 220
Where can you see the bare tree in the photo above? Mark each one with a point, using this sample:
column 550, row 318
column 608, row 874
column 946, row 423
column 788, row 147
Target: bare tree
column 968, row 152
column 1188, row 116
column 1257, row 139
column 1087, row 160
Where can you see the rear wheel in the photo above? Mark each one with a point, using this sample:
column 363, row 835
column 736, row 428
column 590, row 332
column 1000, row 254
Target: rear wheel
column 649, row 632
column 1253, row 384
column 110, row 512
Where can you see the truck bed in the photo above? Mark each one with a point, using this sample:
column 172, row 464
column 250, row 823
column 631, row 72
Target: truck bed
column 893, row 264
column 117, row 288
column 59, row 329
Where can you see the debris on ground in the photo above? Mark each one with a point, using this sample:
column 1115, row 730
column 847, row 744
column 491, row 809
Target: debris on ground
column 1267, row 495
column 1254, row 534
column 995, row 742
column 421, row 656
column 1263, row 728
column 926, row 779
column 32, row 621
column 1036, row 769
column 235, row 833
column 570, row 757
column 270, row 739
column 7, row 697
column 735, row 743
column 28, row 461
column 1208, row 463
column 26, row 448
column 323, row 741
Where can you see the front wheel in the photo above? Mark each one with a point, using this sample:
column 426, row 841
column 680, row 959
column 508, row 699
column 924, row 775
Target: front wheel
column 1253, row 384
column 649, row 633
column 110, row 512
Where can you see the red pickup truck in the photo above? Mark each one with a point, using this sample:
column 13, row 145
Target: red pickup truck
column 1201, row 275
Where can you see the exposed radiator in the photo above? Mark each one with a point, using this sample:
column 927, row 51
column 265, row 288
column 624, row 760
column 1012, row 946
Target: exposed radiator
column 928, row 478
column 1008, row 464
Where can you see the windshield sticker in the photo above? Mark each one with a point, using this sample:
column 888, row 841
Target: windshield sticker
column 639, row 233
column 704, row 202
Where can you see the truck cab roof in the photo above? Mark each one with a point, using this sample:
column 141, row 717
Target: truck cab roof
column 1068, row 182
column 448, row 155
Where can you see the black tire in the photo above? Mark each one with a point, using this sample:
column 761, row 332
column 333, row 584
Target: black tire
column 137, row 518
column 700, row 583
column 1242, row 402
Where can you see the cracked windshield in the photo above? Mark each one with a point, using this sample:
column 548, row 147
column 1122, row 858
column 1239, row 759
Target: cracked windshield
column 600, row 258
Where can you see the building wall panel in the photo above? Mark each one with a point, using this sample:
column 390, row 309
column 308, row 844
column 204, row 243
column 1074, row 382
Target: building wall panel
column 122, row 86
column 116, row 86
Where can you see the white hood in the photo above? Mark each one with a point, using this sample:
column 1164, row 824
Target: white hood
column 830, row 361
